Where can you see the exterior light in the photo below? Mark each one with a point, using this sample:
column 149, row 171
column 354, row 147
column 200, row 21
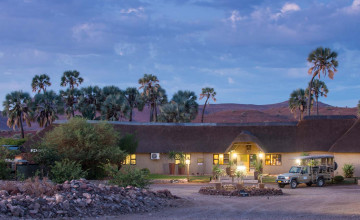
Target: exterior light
column 234, row 155
column 241, row 168
column 261, row 155
column 187, row 161
column 221, row 155
column 298, row 161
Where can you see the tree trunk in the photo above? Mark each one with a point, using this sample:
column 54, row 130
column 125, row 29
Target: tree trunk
column 309, row 99
column 155, row 111
column 151, row 112
column 203, row 111
column 131, row 112
column 21, row 127
column 317, row 105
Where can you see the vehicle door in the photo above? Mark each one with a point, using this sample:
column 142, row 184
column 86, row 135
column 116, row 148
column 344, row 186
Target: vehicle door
column 304, row 175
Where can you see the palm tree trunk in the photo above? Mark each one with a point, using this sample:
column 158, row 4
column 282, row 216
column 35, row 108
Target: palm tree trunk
column 203, row 111
column 155, row 108
column 21, row 127
column 131, row 113
column 309, row 99
column 317, row 105
column 151, row 112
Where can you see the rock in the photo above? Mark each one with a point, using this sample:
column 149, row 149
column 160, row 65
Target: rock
column 17, row 211
column 59, row 198
column 4, row 193
column 87, row 195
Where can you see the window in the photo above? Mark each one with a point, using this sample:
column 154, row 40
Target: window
column 130, row 159
column 221, row 159
column 273, row 159
column 200, row 161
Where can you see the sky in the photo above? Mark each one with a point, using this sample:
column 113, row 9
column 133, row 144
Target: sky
column 251, row 52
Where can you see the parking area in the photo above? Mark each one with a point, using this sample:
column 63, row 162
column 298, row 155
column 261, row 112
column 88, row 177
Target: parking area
column 330, row 202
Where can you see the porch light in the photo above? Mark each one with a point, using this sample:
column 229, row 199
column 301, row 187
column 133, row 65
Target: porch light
column 241, row 168
column 187, row 161
column 261, row 155
column 234, row 155
column 298, row 161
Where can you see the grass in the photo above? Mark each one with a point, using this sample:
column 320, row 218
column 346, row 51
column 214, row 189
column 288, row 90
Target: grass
column 269, row 179
column 194, row 179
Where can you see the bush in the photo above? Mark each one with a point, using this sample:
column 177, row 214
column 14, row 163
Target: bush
column 127, row 176
column 37, row 187
column 145, row 171
column 66, row 170
column 348, row 170
column 12, row 141
column 5, row 171
column 85, row 143
column 338, row 179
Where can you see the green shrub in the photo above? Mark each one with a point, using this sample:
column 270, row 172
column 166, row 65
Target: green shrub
column 146, row 171
column 338, row 179
column 12, row 141
column 66, row 170
column 348, row 170
column 5, row 171
column 127, row 176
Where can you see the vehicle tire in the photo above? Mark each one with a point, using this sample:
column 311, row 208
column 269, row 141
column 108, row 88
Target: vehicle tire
column 309, row 183
column 293, row 184
column 320, row 182
column 335, row 166
column 281, row 185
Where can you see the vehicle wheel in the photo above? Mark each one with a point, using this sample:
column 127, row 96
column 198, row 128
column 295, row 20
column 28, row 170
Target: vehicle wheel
column 320, row 182
column 281, row 185
column 293, row 184
column 309, row 183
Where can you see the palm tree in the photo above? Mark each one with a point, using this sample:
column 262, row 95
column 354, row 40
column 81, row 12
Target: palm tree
column 186, row 104
column 46, row 107
column 71, row 78
column 70, row 98
column 71, row 95
column 17, row 108
column 89, row 101
column 40, row 82
column 298, row 101
column 150, row 85
column 134, row 100
column 208, row 93
column 319, row 88
column 114, row 108
column 359, row 108
column 172, row 112
column 323, row 61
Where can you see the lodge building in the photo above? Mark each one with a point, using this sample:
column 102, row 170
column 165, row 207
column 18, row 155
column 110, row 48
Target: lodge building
column 275, row 143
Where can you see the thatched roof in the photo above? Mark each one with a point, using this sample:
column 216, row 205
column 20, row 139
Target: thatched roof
column 311, row 134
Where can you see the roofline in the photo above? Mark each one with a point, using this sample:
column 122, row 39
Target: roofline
column 187, row 124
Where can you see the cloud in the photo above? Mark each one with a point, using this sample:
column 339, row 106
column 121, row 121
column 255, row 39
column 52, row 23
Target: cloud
column 230, row 80
column 136, row 11
column 87, row 31
column 123, row 49
column 353, row 9
column 235, row 17
column 288, row 7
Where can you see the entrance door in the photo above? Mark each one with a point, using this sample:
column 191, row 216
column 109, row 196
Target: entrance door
column 253, row 159
column 243, row 160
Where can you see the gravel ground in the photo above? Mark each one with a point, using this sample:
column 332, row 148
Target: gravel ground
column 329, row 202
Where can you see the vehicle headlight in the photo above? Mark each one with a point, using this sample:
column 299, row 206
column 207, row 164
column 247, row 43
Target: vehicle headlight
column 287, row 177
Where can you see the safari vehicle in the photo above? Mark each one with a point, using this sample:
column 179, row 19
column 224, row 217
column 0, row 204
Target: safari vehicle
column 310, row 170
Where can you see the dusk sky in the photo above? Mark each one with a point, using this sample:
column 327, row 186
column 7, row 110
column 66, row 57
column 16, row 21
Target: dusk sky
column 251, row 52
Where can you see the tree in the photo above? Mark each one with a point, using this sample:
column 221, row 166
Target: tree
column 89, row 101
column 319, row 88
column 134, row 100
column 160, row 98
column 359, row 108
column 182, row 108
column 70, row 98
column 86, row 143
column 114, row 108
column 46, row 107
column 17, row 107
column 150, row 85
column 40, row 82
column 71, row 78
column 323, row 61
column 298, row 101
column 208, row 93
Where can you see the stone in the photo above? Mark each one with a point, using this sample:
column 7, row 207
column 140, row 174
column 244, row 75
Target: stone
column 87, row 195
column 4, row 193
column 59, row 198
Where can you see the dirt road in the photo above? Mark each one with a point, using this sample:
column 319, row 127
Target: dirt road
column 330, row 202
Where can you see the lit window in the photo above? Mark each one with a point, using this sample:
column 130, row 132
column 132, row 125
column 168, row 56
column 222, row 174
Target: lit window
column 221, row 159
column 178, row 158
column 273, row 159
column 130, row 159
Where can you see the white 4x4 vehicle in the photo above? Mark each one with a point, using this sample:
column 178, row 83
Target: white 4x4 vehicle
column 311, row 170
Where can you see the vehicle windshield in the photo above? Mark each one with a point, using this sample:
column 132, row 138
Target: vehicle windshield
column 295, row 170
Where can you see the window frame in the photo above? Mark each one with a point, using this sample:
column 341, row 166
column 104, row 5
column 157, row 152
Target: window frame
column 273, row 159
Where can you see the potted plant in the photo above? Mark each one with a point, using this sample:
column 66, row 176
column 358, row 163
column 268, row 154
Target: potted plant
column 261, row 184
column 217, row 172
column 181, row 165
column 171, row 156
column 258, row 169
column 240, row 184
